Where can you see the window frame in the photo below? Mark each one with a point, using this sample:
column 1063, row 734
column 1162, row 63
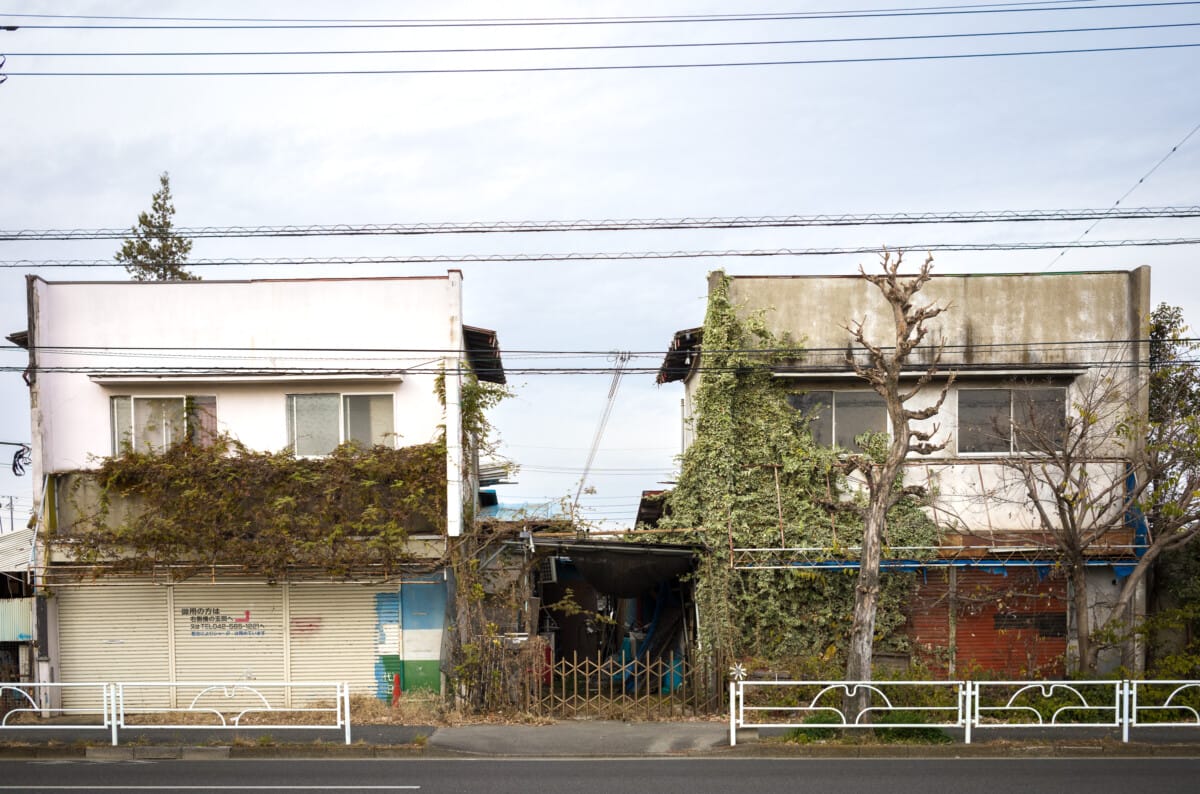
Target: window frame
column 1013, row 444
column 342, row 418
column 190, row 426
column 833, row 409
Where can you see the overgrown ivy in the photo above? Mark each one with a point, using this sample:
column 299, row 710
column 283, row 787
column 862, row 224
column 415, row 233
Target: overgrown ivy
column 754, row 478
column 196, row 509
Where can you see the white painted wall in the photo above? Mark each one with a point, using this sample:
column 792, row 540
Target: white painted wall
column 224, row 326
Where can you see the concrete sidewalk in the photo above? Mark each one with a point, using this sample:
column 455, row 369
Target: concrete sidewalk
column 570, row 738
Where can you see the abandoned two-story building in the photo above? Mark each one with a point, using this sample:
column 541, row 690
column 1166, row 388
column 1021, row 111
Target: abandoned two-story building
column 1026, row 352
column 286, row 370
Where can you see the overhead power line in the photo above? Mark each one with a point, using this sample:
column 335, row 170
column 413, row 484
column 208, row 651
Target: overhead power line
column 613, row 67
column 596, row 47
column 604, row 256
column 175, row 374
column 426, row 352
column 214, row 23
column 629, row 224
column 1127, row 193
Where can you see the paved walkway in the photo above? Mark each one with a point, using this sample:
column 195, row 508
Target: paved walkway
column 570, row 738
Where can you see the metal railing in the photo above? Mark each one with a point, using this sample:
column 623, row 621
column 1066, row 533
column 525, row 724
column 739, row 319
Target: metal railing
column 969, row 705
column 817, row 705
column 185, row 705
column 27, row 705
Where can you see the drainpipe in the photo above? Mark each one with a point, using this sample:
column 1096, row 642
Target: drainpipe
column 454, row 450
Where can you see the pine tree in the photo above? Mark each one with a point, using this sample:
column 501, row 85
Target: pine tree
column 155, row 252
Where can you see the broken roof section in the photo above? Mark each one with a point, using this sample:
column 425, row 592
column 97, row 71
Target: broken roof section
column 483, row 351
column 682, row 356
column 621, row 568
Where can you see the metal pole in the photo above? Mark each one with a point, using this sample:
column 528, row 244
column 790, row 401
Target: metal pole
column 110, row 708
column 965, row 692
column 1126, row 711
column 732, row 718
column 345, row 695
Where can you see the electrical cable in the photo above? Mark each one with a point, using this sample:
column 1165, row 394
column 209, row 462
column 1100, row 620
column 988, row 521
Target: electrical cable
column 273, row 352
column 1127, row 193
column 592, row 47
column 610, row 256
column 665, row 17
column 592, row 21
column 627, row 224
column 617, row 67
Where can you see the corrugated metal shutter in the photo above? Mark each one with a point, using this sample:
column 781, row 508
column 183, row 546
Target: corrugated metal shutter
column 16, row 619
column 15, row 550
column 113, row 633
column 229, row 632
column 1011, row 624
column 343, row 632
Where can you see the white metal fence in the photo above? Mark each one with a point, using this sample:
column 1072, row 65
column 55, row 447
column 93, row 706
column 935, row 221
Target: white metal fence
column 191, row 705
column 969, row 705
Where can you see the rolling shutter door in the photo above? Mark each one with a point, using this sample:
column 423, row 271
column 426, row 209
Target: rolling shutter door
column 344, row 632
column 229, row 632
column 113, row 633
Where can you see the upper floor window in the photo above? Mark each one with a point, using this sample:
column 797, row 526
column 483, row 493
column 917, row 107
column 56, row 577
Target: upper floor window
column 317, row 423
column 154, row 424
column 837, row 417
column 1011, row 420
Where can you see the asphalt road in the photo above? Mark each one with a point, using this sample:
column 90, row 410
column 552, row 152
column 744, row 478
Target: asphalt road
column 656, row 776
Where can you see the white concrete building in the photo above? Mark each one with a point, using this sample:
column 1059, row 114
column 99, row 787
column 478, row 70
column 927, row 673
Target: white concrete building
column 303, row 364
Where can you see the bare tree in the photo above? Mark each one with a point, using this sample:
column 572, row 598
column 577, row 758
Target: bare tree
column 882, row 472
column 1092, row 478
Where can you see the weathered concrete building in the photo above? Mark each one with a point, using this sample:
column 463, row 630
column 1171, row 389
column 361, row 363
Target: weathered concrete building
column 1026, row 352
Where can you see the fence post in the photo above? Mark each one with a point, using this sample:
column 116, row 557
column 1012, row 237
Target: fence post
column 965, row 698
column 110, row 708
column 344, row 694
column 1126, row 709
column 732, row 718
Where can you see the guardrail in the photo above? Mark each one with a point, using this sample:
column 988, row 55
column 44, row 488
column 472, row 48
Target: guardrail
column 182, row 705
column 969, row 705
column 34, row 700
column 823, row 704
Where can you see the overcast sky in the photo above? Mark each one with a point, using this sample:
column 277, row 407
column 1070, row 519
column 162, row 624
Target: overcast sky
column 1070, row 130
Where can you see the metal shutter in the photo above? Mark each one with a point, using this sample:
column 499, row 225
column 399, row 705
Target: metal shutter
column 113, row 633
column 227, row 633
column 343, row 632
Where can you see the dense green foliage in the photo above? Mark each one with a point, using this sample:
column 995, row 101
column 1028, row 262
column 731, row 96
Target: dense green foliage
column 1174, row 392
column 155, row 252
column 746, row 435
column 194, row 508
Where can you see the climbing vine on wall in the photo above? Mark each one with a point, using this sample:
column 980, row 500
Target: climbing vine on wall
column 194, row 509
column 753, row 478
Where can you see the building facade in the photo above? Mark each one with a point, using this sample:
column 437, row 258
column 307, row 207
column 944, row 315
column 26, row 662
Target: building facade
column 1026, row 351
column 269, row 366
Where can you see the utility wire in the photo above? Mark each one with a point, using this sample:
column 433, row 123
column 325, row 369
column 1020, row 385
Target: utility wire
column 184, row 373
column 435, row 353
column 1127, row 193
column 613, row 67
column 592, row 21
column 629, row 224
column 607, row 256
column 767, row 15
column 592, row 47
